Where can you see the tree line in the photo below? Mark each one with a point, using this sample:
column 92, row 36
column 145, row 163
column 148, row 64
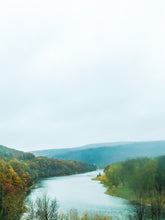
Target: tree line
column 142, row 181
column 20, row 171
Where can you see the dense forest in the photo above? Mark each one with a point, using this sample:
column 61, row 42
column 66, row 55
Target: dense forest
column 20, row 171
column 140, row 180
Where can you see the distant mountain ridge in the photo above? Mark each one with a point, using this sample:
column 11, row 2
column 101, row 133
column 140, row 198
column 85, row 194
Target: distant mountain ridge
column 49, row 152
column 105, row 153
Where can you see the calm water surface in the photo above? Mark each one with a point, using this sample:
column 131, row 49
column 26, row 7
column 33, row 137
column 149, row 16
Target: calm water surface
column 81, row 192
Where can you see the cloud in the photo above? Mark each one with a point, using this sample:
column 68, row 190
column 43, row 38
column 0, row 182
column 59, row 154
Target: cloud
column 77, row 72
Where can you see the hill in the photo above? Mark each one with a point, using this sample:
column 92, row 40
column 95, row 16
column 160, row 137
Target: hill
column 50, row 152
column 106, row 153
column 10, row 153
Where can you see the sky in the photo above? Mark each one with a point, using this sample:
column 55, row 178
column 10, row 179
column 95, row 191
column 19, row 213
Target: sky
column 79, row 72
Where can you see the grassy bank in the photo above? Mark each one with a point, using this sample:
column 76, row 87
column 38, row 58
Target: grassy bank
column 120, row 191
column 141, row 181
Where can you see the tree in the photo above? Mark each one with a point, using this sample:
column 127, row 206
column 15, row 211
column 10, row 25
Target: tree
column 114, row 175
column 139, row 209
column 43, row 209
column 73, row 214
column 157, row 203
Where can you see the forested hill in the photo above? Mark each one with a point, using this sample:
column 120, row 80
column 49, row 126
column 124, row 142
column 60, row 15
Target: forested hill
column 103, row 154
column 50, row 167
column 10, row 153
column 19, row 172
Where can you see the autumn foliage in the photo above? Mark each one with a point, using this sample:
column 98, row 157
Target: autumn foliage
column 20, row 171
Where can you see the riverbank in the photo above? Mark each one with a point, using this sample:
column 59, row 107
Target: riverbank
column 121, row 191
column 144, row 208
column 81, row 193
column 141, row 181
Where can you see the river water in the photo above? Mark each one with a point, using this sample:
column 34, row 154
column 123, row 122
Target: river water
column 82, row 193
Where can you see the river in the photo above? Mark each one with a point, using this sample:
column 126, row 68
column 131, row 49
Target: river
column 82, row 193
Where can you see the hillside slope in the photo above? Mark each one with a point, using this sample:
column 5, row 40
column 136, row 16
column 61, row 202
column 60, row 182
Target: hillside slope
column 10, row 153
column 54, row 152
column 103, row 154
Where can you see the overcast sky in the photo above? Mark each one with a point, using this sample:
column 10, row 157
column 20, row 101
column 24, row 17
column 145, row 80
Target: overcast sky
column 79, row 72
